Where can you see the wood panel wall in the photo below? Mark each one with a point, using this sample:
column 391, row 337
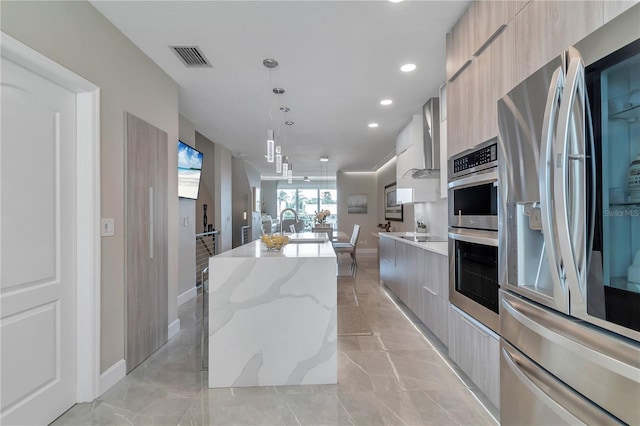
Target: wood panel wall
column 146, row 269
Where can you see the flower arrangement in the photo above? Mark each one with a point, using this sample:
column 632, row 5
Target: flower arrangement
column 321, row 217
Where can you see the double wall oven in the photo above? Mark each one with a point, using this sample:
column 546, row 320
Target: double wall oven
column 473, row 232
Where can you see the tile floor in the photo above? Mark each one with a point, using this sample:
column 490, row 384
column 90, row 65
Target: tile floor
column 395, row 376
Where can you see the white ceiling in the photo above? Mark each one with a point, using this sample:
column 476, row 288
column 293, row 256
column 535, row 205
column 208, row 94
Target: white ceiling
column 337, row 59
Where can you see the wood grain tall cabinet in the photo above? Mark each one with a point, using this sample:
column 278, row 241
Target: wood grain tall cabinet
column 146, row 240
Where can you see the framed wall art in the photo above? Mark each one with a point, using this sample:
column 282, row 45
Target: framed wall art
column 357, row 203
column 392, row 210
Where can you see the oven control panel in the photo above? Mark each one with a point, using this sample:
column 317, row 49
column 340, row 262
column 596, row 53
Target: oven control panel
column 479, row 159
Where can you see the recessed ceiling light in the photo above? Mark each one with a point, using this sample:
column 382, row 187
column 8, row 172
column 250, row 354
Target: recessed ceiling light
column 408, row 67
column 289, row 123
column 386, row 102
column 285, row 109
column 373, row 124
column 324, row 159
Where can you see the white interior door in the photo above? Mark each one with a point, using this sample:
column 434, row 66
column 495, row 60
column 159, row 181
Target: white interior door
column 38, row 247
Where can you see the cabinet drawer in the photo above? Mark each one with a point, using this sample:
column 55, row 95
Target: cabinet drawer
column 435, row 315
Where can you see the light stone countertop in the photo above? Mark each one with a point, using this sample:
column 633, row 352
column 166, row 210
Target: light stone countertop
column 256, row 249
column 441, row 248
column 273, row 316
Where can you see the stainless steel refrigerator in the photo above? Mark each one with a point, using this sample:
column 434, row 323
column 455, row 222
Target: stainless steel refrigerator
column 570, row 236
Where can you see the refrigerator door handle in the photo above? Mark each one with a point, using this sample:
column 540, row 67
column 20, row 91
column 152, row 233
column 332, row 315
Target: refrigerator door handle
column 592, row 206
column 571, row 249
column 554, row 334
column 548, row 401
column 544, row 177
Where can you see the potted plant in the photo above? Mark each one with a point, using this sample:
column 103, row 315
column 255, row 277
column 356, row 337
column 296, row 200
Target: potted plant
column 321, row 219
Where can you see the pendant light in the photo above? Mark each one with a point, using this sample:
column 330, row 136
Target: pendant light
column 290, row 173
column 285, row 167
column 278, row 159
column 284, row 110
column 270, row 146
column 270, row 64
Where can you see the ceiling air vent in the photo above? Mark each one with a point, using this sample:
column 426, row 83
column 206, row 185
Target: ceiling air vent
column 191, row 56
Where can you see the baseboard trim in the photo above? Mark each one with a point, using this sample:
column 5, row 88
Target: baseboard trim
column 112, row 375
column 174, row 328
column 187, row 295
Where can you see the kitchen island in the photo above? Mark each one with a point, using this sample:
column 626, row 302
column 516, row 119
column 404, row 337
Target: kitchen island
column 273, row 316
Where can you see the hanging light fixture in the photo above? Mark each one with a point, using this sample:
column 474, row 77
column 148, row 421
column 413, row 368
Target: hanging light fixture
column 278, row 159
column 270, row 146
column 290, row 173
column 284, row 110
column 285, row 167
column 270, row 64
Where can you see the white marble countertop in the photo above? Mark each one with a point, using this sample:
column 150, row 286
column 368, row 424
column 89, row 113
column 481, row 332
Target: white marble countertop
column 309, row 237
column 441, row 248
column 273, row 316
column 256, row 249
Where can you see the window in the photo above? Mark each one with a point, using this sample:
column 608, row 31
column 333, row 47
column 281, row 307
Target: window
column 307, row 201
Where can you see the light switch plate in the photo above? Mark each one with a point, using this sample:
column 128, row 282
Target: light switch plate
column 107, row 227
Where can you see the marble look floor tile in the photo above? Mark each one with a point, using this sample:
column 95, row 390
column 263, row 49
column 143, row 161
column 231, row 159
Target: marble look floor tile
column 244, row 406
column 373, row 362
column 414, row 408
column 137, row 396
column 348, row 343
column 364, row 408
column 351, row 377
column 398, row 340
column 384, row 318
column 392, row 377
column 371, row 343
column 318, row 409
column 100, row 413
column 383, row 383
column 305, row 389
column 461, row 406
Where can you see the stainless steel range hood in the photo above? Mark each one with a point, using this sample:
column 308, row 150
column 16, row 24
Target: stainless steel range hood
column 431, row 142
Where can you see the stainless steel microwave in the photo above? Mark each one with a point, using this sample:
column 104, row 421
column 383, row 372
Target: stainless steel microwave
column 473, row 188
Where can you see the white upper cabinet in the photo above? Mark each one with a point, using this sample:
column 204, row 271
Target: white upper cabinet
column 409, row 147
column 410, row 155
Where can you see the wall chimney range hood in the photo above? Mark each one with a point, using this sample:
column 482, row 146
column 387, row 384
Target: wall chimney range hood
column 418, row 157
column 429, row 166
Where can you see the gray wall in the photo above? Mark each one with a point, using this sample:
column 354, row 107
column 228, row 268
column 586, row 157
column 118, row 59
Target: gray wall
column 207, row 183
column 186, row 222
column 75, row 35
column 223, row 196
column 358, row 183
column 386, row 175
column 269, row 197
column 244, row 178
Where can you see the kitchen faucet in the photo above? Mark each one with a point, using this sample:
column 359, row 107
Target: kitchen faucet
column 295, row 215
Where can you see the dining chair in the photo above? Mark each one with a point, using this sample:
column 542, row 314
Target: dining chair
column 350, row 248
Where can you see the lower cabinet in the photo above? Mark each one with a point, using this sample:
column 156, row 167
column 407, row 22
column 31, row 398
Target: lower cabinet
column 476, row 350
column 420, row 279
column 387, row 256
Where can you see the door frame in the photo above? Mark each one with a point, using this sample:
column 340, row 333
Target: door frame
column 88, row 307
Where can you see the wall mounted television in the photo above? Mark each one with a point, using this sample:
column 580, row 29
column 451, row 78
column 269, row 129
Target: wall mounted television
column 189, row 171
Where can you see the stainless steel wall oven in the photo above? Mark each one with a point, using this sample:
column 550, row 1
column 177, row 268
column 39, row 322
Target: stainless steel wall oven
column 473, row 233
